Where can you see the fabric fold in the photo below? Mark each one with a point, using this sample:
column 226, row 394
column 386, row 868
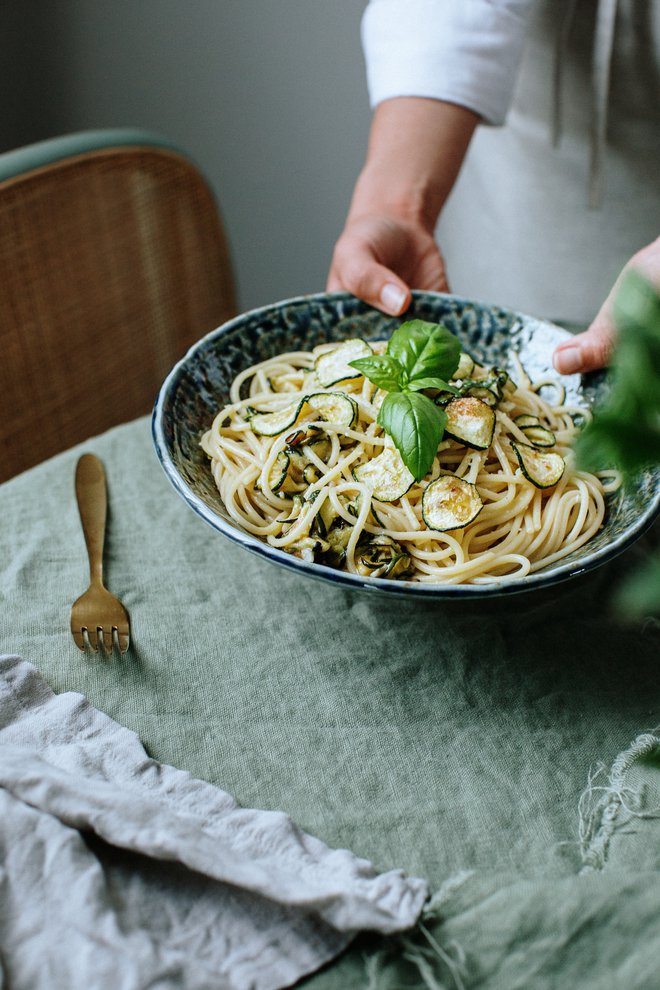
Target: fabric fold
column 466, row 53
column 280, row 901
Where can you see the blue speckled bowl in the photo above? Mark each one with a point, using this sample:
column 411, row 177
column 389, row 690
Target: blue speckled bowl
column 199, row 385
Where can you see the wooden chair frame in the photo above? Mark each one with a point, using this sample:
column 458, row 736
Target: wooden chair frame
column 113, row 261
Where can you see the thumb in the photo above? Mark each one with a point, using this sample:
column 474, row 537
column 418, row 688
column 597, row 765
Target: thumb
column 589, row 350
column 593, row 348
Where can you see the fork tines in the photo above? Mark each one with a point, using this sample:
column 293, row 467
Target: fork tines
column 101, row 640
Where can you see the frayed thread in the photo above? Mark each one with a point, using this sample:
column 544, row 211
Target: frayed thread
column 600, row 805
column 437, row 967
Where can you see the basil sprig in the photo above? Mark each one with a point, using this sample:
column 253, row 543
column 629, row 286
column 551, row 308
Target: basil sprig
column 419, row 356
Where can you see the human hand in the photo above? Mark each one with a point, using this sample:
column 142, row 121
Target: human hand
column 592, row 349
column 387, row 248
column 380, row 258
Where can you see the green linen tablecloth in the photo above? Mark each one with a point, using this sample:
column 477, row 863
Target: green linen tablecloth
column 502, row 750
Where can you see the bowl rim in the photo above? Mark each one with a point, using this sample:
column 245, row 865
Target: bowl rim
column 563, row 571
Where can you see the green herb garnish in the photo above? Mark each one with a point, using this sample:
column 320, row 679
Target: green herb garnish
column 625, row 430
column 419, row 356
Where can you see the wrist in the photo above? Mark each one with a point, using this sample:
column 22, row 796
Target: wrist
column 381, row 191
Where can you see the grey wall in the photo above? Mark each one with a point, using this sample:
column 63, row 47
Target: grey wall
column 267, row 96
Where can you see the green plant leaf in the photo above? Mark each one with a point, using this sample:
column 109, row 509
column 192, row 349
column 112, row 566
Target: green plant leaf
column 637, row 311
column 625, row 430
column 611, row 440
column 421, row 383
column 640, row 594
column 382, row 370
column 425, row 350
column 416, row 425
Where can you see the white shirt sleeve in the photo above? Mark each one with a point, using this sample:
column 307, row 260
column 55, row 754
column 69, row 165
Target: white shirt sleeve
column 461, row 51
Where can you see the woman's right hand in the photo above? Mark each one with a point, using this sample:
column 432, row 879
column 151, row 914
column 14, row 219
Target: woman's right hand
column 387, row 248
column 380, row 257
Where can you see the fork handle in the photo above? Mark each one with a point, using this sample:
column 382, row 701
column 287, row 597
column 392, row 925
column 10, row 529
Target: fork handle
column 92, row 505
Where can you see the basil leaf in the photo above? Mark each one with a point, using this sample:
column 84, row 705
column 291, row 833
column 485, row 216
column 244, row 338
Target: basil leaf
column 440, row 383
column 416, row 425
column 425, row 349
column 381, row 369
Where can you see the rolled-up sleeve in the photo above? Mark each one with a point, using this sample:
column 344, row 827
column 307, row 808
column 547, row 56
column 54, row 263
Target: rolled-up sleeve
column 462, row 51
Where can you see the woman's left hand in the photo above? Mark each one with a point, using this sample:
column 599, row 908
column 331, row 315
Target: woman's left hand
column 592, row 349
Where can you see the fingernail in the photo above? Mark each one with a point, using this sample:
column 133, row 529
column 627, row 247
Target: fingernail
column 392, row 298
column 568, row 360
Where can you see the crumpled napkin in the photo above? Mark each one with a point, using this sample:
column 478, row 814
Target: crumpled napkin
column 121, row 873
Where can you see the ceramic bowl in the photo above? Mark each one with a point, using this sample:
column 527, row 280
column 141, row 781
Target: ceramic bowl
column 198, row 386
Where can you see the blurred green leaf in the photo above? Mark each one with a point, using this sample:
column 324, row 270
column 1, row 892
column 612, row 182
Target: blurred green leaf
column 610, row 440
column 625, row 431
column 640, row 594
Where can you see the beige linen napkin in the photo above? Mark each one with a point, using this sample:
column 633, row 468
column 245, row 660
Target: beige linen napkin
column 120, row 872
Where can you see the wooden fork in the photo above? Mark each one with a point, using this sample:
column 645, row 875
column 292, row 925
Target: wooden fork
column 99, row 621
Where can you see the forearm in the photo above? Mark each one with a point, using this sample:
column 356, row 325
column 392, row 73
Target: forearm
column 416, row 147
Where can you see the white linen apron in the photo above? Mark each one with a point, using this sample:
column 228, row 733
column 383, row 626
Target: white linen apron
column 517, row 229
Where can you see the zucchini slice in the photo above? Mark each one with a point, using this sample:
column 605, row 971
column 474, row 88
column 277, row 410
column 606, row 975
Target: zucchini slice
column 383, row 557
column 540, row 436
column 310, row 474
column 386, row 475
column 270, row 424
column 505, row 383
column 337, row 540
column 543, row 468
column 471, row 422
column 278, row 471
column 484, row 390
column 535, row 431
column 376, row 517
column 296, row 508
column 301, row 469
column 465, row 366
column 321, row 446
column 525, row 420
column 334, row 407
column 510, row 387
column 450, row 503
column 296, row 439
column 490, row 388
column 307, row 548
column 333, row 366
column 325, row 517
column 313, row 438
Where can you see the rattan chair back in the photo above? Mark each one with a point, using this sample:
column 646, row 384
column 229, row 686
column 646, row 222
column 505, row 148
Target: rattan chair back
column 113, row 261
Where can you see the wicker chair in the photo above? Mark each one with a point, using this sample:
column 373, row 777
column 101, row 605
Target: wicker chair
column 113, row 261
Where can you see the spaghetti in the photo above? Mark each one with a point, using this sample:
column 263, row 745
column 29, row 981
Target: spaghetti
column 289, row 453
